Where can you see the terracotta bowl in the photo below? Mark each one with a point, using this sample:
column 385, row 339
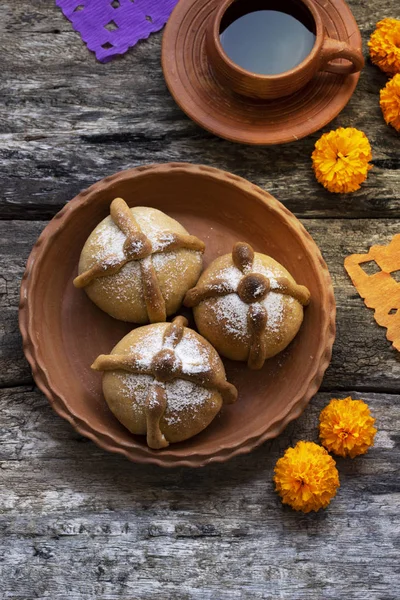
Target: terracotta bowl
column 63, row 331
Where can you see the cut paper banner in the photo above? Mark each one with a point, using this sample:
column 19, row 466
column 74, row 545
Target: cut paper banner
column 111, row 27
column 379, row 290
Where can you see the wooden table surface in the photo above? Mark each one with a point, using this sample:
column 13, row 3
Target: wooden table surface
column 78, row 523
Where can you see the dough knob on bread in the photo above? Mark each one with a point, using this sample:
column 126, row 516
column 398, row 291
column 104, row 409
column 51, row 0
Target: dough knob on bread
column 138, row 264
column 248, row 306
column 165, row 381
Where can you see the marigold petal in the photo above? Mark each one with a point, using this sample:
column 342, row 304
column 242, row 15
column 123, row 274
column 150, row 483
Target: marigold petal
column 306, row 477
column 390, row 102
column 346, row 427
column 341, row 159
column 384, row 46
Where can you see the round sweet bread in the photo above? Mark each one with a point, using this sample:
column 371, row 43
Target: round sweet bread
column 248, row 306
column 138, row 264
column 164, row 381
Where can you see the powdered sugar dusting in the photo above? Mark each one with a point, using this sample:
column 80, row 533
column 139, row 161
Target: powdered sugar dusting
column 122, row 285
column 136, row 387
column 257, row 309
column 163, row 241
column 159, row 238
column 232, row 312
column 183, row 396
column 163, row 261
column 271, row 272
column 231, row 275
column 137, row 245
column 109, row 241
column 274, row 304
column 258, row 291
column 152, row 397
column 193, row 355
column 149, row 346
column 110, row 261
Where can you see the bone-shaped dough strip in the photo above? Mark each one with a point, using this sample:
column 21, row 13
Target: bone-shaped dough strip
column 211, row 290
column 243, row 257
column 298, row 292
column 257, row 322
column 108, row 267
column 125, row 362
column 174, row 333
column 154, row 300
column 181, row 240
column 156, row 404
column 211, row 381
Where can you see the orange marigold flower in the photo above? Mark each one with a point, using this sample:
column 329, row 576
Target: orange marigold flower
column 384, row 46
column 306, row 477
column 390, row 102
column 341, row 159
column 346, row 427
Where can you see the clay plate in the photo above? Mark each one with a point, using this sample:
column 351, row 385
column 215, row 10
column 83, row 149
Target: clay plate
column 192, row 83
column 63, row 331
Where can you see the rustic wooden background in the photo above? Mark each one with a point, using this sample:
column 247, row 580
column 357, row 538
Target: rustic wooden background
column 82, row 524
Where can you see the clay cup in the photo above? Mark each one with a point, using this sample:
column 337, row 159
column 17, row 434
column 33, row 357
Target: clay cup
column 269, row 87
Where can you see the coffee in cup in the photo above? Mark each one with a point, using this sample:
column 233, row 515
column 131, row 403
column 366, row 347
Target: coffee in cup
column 268, row 49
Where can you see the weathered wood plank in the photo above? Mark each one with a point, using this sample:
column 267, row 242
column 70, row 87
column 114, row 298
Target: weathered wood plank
column 77, row 522
column 67, row 121
column 16, row 241
column 363, row 358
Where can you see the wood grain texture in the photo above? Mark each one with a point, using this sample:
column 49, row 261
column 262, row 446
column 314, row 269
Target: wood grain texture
column 81, row 524
column 67, row 121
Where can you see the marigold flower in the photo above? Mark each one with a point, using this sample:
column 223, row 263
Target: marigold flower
column 341, row 159
column 390, row 102
column 346, row 427
column 384, row 46
column 306, row 477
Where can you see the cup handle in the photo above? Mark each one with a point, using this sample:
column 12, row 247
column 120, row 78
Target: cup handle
column 332, row 49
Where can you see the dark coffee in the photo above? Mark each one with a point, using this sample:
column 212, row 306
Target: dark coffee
column 267, row 37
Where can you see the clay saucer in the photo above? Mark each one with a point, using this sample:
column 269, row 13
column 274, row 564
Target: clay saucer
column 196, row 90
column 63, row 331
